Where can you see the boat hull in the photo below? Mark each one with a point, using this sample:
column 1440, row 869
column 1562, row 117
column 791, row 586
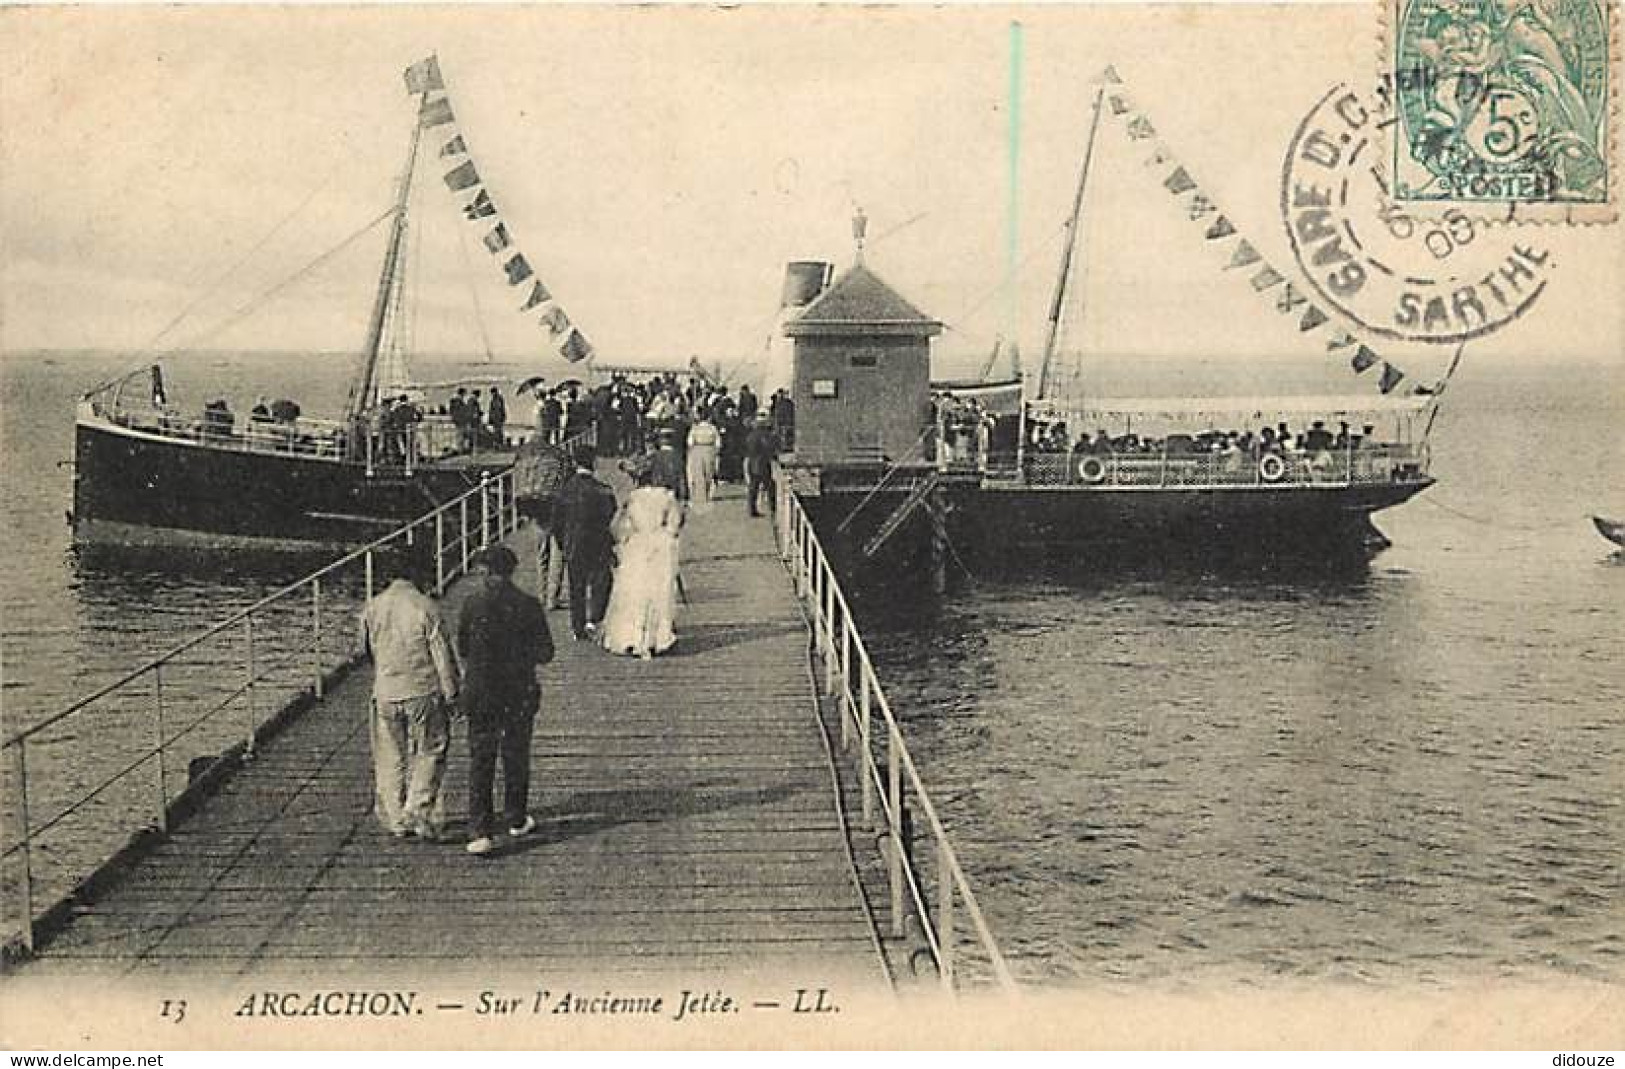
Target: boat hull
column 138, row 489
column 1177, row 527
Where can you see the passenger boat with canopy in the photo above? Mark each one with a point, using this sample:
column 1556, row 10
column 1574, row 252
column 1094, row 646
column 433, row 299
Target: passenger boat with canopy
column 150, row 472
column 1056, row 465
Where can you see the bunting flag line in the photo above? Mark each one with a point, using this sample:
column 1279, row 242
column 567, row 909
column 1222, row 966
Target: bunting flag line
column 435, row 112
column 1217, row 227
column 462, row 177
column 575, row 348
column 538, row 297
column 424, row 76
column 517, row 269
column 497, row 239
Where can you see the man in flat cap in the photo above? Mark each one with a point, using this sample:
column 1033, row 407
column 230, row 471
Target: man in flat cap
column 503, row 638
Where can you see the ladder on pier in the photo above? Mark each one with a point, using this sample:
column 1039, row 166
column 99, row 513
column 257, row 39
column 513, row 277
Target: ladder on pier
column 917, row 496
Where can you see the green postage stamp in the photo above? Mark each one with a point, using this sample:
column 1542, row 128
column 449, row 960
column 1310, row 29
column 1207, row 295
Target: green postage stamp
column 1505, row 108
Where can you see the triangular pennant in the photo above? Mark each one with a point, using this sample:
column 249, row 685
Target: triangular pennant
column 424, row 76
column 435, row 112
column 1140, row 128
column 1245, row 254
column 463, row 176
column 538, row 296
column 1220, row 228
column 1391, row 377
column 1109, row 76
column 1363, row 360
column 1340, row 339
column 1289, row 299
column 576, row 348
column 480, row 207
column 1179, row 182
column 1267, row 277
column 1118, row 105
column 1199, row 206
column 1312, row 318
column 497, row 239
column 555, row 321
column 454, row 147
column 517, row 269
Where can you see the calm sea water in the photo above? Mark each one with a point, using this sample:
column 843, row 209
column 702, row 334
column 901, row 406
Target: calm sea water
column 1411, row 771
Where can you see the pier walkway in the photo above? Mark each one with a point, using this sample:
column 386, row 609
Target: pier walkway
column 686, row 807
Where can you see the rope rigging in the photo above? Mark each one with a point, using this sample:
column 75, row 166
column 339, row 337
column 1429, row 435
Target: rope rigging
column 247, row 308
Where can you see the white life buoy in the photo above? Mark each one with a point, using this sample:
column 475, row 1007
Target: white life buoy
column 1271, row 468
column 1091, row 469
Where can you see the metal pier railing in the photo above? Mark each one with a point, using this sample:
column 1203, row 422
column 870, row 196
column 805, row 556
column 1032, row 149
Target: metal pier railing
column 889, row 781
column 82, row 784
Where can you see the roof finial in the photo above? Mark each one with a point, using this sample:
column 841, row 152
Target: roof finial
column 860, row 227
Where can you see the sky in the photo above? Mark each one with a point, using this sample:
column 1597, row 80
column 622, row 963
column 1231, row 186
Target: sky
column 658, row 166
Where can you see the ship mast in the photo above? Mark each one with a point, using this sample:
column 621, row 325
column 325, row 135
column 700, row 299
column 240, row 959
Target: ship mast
column 1059, row 300
column 362, row 391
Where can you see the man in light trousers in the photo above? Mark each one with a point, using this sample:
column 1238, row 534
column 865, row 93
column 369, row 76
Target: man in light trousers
column 415, row 687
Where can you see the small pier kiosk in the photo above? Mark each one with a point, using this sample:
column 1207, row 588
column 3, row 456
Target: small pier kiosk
column 864, row 459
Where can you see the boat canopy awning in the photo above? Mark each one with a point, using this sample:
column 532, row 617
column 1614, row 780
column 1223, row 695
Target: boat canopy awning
column 1257, row 407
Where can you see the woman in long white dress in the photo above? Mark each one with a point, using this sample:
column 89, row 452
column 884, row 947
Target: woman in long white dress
column 703, row 439
column 643, row 597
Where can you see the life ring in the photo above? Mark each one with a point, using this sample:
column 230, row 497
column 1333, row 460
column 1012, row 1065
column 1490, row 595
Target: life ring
column 1271, row 468
column 1091, row 469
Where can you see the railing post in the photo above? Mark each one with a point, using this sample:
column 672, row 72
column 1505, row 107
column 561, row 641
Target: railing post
column 369, row 438
column 162, row 812
column 316, row 636
column 829, row 627
column 367, row 561
column 894, row 796
column 485, row 511
column 501, row 508
column 866, row 757
column 439, row 551
column 24, row 841
column 945, row 917
column 844, row 704
column 463, row 508
column 248, row 691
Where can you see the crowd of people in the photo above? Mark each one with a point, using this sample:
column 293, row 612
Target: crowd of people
column 614, row 565
column 1053, row 436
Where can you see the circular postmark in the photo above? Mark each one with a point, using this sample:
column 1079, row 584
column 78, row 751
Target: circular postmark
column 1501, row 100
column 1441, row 280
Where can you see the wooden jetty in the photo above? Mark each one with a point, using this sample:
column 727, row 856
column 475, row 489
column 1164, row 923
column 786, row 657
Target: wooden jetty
column 686, row 805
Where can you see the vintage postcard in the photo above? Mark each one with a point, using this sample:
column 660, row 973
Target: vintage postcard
column 812, row 526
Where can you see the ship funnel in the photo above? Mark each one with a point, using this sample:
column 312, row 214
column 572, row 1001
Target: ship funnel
column 803, row 281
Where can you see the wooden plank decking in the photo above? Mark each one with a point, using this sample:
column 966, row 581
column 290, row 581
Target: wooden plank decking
column 686, row 806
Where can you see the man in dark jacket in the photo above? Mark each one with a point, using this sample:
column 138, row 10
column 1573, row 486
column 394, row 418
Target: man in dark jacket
column 761, row 447
column 583, row 511
column 502, row 637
